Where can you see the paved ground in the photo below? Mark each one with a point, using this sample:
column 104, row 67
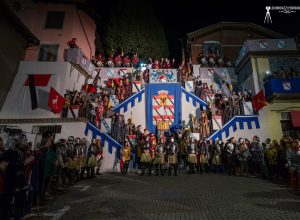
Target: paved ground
column 112, row 196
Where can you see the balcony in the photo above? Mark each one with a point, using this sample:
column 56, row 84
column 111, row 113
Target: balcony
column 80, row 61
column 282, row 89
column 260, row 46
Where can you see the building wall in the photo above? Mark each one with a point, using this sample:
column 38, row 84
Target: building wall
column 110, row 162
column 34, row 17
column 231, row 41
column 9, row 58
column 18, row 102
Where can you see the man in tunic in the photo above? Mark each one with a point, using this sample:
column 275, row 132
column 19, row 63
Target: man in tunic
column 160, row 152
column 172, row 150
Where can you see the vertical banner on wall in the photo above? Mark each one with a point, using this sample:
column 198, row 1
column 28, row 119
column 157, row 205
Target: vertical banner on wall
column 217, row 122
column 106, row 125
column 189, row 86
column 248, row 109
column 163, row 105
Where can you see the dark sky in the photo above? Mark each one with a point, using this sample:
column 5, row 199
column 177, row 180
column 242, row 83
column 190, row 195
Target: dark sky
column 180, row 17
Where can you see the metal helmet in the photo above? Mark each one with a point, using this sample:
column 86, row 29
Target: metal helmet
column 241, row 140
column 172, row 140
column 230, row 146
column 77, row 140
column 71, row 139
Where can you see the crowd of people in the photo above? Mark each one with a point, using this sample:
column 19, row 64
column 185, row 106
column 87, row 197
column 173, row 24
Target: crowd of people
column 30, row 176
column 282, row 74
column 271, row 159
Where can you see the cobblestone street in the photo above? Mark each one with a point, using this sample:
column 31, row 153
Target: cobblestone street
column 112, row 196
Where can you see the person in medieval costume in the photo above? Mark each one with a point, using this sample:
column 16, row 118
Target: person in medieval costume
column 118, row 60
column 204, row 125
column 92, row 159
column 120, row 92
column 293, row 164
column 118, row 129
column 160, row 152
column 77, row 147
column 72, row 43
column 243, row 154
column 100, row 61
column 135, row 60
column 126, row 61
column 139, row 144
column 128, row 88
column 146, row 159
column 65, row 108
column 83, row 157
column 203, row 156
column 70, row 160
column 198, row 86
column 125, row 154
column 99, row 114
column 110, row 60
column 99, row 153
column 204, row 91
column 129, row 128
column 172, row 152
column 182, row 155
column 231, row 156
column 153, row 145
column 192, row 157
column 257, row 156
column 105, row 100
column 216, row 161
column 271, row 155
column 61, row 162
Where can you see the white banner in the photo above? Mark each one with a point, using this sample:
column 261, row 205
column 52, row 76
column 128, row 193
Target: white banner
column 113, row 100
column 136, row 86
column 217, row 122
column 106, row 125
column 248, row 109
column 189, row 86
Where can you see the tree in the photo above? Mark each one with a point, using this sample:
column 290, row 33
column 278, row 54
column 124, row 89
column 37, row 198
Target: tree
column 132, row 26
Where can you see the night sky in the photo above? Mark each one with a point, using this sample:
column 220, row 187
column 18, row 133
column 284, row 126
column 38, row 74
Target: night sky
column 180, row 17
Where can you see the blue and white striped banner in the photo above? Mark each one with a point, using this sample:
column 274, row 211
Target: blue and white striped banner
column 281, row 44
column 189, row 86
column 113, row 100
column 106, row 125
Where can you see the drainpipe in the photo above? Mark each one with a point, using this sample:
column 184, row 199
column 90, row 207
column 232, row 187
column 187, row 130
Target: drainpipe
column 77, row 11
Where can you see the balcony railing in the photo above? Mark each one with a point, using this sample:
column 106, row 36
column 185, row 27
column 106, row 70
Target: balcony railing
column 260, row 45
column 77, row 57
column 282, row 89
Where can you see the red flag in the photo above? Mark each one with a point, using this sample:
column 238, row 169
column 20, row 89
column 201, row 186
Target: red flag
column 259, row 101
column 295, row 115
column 39, row 79
column 56, row 101
column 90, row 88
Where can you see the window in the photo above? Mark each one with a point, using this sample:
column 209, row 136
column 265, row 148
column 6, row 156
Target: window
column 287, row 127
column 55, row 19
column 48, row 52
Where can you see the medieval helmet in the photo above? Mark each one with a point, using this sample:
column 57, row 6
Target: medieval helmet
column 172, row 139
